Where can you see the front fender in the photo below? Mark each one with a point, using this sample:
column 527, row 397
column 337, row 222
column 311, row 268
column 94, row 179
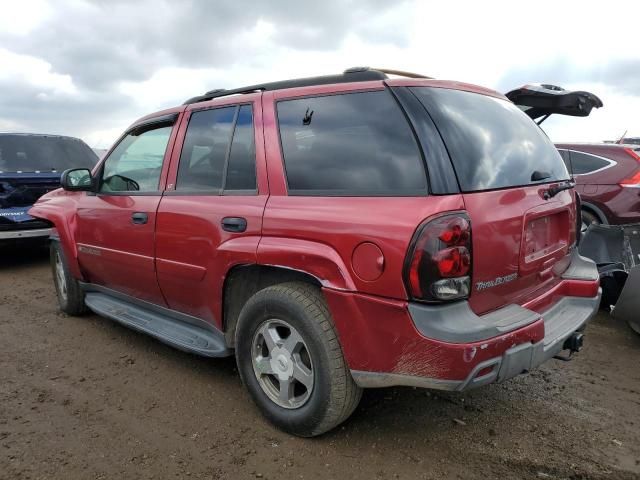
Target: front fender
column 317, row 259
column 59, row 208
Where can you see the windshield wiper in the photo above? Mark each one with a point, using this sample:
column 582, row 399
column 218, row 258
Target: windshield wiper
column 553, row 191
column 537, row 176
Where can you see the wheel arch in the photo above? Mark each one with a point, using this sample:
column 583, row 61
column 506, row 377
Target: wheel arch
column 244, row 281
column 63, row 225
column 595, row 210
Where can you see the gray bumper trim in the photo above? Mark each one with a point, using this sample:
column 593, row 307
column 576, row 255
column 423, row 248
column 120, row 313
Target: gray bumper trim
column 16, row 234
column 570, row 314
column 457, row 323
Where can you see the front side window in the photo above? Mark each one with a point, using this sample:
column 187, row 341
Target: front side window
column 350, row 144
column 135, row 164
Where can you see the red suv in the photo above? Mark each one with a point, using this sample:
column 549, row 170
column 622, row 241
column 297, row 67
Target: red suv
column 336, row 233
column 608, row 179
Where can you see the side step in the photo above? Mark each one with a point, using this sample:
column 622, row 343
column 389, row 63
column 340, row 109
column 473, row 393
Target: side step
column 177, row 333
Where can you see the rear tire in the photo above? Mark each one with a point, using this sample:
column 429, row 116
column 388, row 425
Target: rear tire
column 286, row 342
column 70, row 295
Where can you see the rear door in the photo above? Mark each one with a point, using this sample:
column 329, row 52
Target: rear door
column 210, row 217
column 505, row 167
column 115, row 233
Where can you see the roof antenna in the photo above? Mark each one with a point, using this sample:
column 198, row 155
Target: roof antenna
column 622, row 137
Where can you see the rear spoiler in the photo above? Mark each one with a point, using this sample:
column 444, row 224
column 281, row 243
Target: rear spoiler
column 541, row 101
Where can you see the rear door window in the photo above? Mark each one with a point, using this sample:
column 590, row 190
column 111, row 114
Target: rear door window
column 350, row 144
column 205, row 150
column 492, row 143
column 219, row 151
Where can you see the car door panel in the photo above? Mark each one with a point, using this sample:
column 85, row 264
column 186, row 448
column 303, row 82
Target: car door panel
column 116, row 229
column 112, row 251
column 194, row 252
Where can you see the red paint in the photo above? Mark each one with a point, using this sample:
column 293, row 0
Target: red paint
column 356, row 247
column 501, row 246
column 368, row 261
column 619, row 205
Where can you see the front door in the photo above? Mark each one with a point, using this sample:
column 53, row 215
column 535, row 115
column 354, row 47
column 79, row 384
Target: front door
column 116, row 224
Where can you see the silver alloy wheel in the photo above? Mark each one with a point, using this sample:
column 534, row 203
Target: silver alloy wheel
column 282, row 364
column 61, row 277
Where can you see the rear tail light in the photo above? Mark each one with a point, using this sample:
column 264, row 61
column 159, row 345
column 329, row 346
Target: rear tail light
column 438, row 266
column 633, row 181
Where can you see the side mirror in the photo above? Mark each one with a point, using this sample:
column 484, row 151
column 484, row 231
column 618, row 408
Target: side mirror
column 77, row 180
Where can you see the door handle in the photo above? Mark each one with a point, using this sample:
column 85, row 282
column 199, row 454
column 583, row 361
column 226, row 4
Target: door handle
column 234, row 224
column 139, row 218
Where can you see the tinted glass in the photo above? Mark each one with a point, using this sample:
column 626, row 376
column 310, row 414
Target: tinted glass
column 492, row 143
column 584, row 163
column 241, row 172
column 135, row 164
column 205, row 149
column 40, row 153
column 350, row 144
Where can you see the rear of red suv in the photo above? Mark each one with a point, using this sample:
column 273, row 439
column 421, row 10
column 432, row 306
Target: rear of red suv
column 389, row 232
column 483, row 244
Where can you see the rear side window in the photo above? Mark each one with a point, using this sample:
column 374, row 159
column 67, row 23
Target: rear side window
column 492, row 143
column 349, row 144
column 583, row 163
column 218, row 151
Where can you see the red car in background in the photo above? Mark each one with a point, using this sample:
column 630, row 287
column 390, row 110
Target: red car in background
column 608, row 180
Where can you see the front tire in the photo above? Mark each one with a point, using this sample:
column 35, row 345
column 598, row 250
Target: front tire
column 70, row 295
column 291, row 362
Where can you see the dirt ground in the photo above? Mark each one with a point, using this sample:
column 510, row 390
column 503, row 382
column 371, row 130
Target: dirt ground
column 86, row 398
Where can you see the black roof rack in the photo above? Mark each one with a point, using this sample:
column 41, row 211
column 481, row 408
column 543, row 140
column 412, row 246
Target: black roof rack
column 354, row 74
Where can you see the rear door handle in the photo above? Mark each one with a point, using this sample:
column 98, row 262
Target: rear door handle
column 139, row 218
column 234, row 224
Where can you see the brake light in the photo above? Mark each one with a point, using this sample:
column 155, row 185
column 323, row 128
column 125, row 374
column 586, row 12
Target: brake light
column 634, row 180
column 439, row 263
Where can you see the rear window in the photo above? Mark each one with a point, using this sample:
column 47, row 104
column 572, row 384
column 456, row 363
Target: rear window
column 492, row 143
column 39, row 153
column 350, row 144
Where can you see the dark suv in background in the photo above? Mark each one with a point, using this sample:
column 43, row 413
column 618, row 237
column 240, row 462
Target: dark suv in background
column 608, row 180
column 30, row 166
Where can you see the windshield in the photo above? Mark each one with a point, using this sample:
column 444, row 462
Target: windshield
column 40, row 153
column 492, row 143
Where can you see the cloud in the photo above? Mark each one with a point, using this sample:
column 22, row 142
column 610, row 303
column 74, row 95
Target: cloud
column 90, row 67
column 621, row 75
column 82, row 64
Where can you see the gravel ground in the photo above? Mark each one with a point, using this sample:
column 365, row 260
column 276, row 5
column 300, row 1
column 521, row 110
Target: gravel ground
column 87, row 398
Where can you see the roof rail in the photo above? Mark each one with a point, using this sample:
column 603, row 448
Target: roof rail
column 354, row 74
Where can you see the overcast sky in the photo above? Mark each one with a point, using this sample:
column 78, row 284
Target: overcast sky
column 89, row 68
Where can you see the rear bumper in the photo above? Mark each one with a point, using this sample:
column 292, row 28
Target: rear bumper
column 569, row 315
column 389, row 343
column 18, row 234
